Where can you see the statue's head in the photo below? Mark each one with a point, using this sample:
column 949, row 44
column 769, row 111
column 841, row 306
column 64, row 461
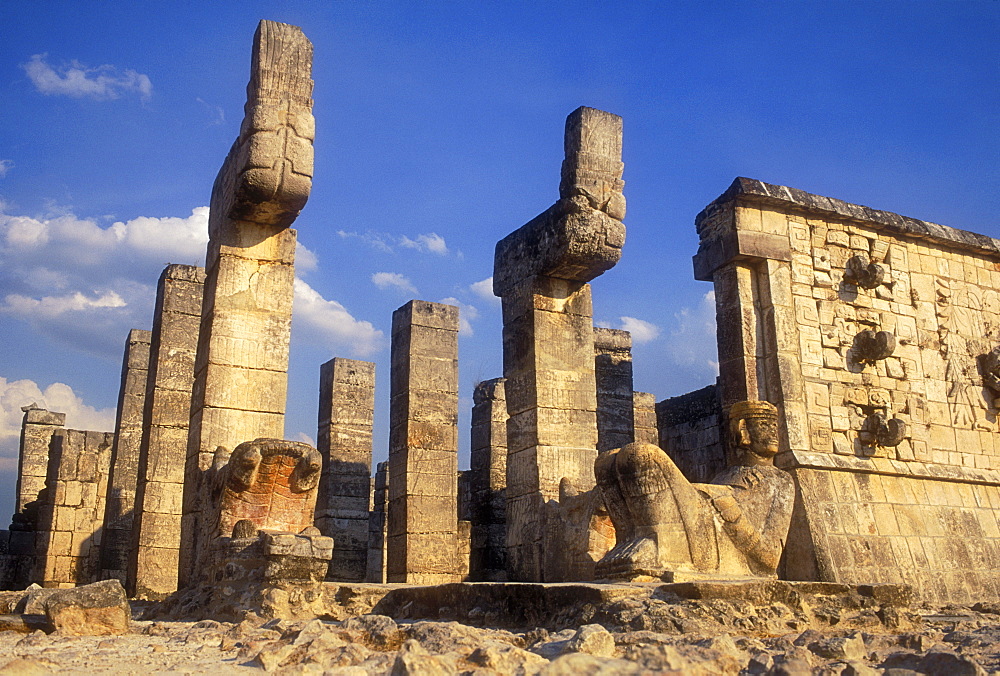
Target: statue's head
column 753, row 429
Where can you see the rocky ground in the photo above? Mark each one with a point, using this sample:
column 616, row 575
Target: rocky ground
column 845, row 634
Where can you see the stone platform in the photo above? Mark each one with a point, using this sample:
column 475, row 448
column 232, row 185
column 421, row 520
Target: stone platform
column 518, row 605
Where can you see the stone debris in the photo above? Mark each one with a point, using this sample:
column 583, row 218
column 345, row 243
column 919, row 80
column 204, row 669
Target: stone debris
column 858, row 644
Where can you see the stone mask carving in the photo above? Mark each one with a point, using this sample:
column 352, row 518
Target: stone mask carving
column 863, row 272
column 871, row 346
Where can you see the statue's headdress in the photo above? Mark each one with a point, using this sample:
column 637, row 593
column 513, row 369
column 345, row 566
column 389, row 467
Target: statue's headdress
column 753, row 409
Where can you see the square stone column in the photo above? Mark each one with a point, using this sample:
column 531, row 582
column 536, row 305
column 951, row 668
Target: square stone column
column 487, row 561
column 241, row 369
column 119, row 513
column 540, row 273
column 644, row 414
column 156, row 532
column 613, row 372
column 377, row 524
column 423, row 445
column 346, row 410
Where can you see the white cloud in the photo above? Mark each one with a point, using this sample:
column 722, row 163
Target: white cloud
column 79, row 81
column 305, row 259
column 85, row 285
column 328, row 323
column 217, row 113
column 5, row 166
column 431, row 242
column 383, row 241
column 393, row 280
column 642, row 331
column 484, row 289
column 56, row 397
column 691, row 344
column 466, row 313
column 376, row 240
column 305, row 438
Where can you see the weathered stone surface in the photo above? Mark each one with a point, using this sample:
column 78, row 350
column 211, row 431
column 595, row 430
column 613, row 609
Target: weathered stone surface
column 240, row 373
column 119, row 508
column 99, row 609
column 422, row 515
column 346, row 410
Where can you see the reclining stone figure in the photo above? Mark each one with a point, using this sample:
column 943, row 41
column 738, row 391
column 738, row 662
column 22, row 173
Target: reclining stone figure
column 734, row 526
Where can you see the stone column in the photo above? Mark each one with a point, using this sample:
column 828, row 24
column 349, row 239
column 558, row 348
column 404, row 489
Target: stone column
column 377, row 523
column 119, row 514
column 423, row 444
column 346, row 410
column 489, row 482
column 37, row 428
column 613, row 372
column 156, row 532
column 644, row 414
column 540, row 273
column 241, row 368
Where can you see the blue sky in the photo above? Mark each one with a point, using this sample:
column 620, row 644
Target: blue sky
column 439, row 130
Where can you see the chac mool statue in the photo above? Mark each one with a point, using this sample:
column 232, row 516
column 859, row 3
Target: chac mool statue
column 734, row 526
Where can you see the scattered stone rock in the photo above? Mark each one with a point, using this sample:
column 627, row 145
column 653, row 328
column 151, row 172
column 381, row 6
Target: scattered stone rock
column 413, row 660
column 592, row 639
column 574, row 664
column 378, row 631
column 99, row 609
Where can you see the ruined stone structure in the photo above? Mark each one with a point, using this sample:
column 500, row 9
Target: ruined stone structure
column 891, row 439
column 488, row 479
column 242, row 362
column 734, row 526
column 423, row 445
column 156, row 531
column 615, row 397
column 852, row 436
column 346, row 410
column 60, row 531
column 120, row 502
column 37, row 429
column 540, row 273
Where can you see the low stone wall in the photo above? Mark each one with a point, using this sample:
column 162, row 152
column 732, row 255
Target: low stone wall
column 690, row 434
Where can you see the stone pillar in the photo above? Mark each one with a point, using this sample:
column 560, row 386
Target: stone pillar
column 489, row 482
column 644, row 414
column 423, row 444
column 613, row 372
column 69, row 533
column 540, row 273
column 119, row 514
column 241, row 369
column 377, row 524
column 346, row 410
column 156, row 532
column 37, row 428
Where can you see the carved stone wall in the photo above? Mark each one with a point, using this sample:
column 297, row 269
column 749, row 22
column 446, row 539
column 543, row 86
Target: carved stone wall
column 872, row 332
